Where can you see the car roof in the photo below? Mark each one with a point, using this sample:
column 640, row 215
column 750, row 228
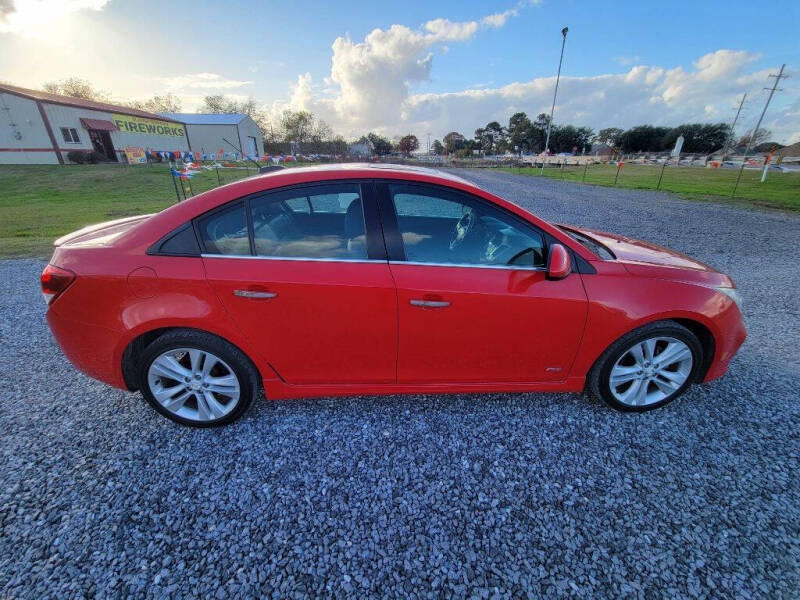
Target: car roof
column 175, row 216
column 371, row 170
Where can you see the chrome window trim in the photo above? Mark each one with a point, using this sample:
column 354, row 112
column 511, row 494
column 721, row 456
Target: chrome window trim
column 294, row 258
column 466, row 266
column 367, row 260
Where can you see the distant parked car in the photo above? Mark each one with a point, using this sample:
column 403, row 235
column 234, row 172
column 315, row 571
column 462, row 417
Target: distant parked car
column 376, row 279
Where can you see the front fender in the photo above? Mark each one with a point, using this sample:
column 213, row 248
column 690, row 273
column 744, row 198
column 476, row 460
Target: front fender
column 620, row 303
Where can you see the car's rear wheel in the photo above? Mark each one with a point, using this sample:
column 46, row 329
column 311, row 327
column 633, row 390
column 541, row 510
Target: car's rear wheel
column 197, row 379
column 647, row 368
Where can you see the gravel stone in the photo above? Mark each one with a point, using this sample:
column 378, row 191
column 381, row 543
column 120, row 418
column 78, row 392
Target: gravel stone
column 484, row 496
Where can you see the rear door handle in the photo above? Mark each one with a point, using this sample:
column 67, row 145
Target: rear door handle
column 253, row 294
column 430, row 303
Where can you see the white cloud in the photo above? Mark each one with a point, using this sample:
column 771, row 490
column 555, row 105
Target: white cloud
column 370, row 80
column 499, row 19
column 371, row 89
column 201, row 81
column 28, row 16
column 446, row 30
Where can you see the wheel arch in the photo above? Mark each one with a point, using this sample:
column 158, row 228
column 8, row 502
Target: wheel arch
column 133, row 351
column 699, row 329
column 707, row 343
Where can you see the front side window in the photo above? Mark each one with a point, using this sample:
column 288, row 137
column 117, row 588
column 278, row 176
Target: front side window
column 443, row 227
column 324, row 221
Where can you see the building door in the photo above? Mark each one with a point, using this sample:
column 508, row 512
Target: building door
column 101, row 141
column 251, row 141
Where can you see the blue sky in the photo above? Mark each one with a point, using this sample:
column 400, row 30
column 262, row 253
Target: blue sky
column 429, row 66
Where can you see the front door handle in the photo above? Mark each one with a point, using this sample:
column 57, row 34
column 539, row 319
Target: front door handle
column 430, row 303
column 253, row 294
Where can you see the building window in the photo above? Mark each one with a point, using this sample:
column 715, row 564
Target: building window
column 70, row 135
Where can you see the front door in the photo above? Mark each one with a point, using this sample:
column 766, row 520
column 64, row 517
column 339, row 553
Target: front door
column 474, row 304
column 102, row 144
column 309, row 285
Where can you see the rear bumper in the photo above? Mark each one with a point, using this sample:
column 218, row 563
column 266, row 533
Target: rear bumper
column 731, row 337
column 90, row 348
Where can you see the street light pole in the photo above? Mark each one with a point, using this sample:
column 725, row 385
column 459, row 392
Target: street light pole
column 553, row 108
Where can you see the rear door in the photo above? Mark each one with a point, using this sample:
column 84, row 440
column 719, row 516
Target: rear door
column 303, row 273
column 474, row 303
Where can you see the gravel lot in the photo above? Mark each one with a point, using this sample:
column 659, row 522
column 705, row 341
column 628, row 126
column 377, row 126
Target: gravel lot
column 491, row 496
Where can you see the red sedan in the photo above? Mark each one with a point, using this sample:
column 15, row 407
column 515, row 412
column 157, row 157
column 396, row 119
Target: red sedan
column 378, row 279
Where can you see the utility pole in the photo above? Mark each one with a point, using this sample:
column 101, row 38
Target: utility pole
column 553, row 108
column 772, row 91
column 733, row 125
column 429, row 144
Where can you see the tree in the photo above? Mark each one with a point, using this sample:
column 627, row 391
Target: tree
column 609, row 136
column 379, row 144
column 643, row 138
column 453, row 142
column 408, row 144
column 437, row 148
column 762, row 135
column 538, row 135
column 158, row 104
column 568, row 138
column 520, row 131
column 75, row 87
column 302, row 127
column 698, row 137
column 490, row 137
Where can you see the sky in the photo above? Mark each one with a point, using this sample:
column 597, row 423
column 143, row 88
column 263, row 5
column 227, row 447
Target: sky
column 424, row 67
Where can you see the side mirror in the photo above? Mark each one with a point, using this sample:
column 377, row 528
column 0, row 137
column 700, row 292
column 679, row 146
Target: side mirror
column 559, row 264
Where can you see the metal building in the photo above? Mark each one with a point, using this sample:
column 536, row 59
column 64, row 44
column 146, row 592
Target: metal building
column 41, row 128
column 208, row 133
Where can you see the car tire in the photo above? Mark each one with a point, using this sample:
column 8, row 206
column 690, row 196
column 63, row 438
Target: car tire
column 658, row 384
column 215, row 395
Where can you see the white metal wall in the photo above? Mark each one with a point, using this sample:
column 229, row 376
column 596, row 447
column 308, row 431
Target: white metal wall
column 69, row 116
column 248, row 128
column 208, row 138
column 23, row 135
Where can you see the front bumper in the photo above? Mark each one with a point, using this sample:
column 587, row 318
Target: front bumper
column 731, row 336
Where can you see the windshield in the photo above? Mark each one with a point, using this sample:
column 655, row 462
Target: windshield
column 588, row 243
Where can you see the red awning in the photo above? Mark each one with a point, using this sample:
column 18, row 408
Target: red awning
column 99, row 124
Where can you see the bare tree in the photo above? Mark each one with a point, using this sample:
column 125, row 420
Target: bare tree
column 76, row 88
column 159, row 104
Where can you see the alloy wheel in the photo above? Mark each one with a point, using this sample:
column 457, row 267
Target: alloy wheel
column 650, row 371
column 193, row 384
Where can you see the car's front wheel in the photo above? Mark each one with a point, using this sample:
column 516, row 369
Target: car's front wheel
column 197, row 379
column 647, row 368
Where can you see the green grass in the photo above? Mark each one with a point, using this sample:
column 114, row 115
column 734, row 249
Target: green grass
column 39, row 203
column 781, row 190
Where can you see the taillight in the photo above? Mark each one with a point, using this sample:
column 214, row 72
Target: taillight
column 54, row 281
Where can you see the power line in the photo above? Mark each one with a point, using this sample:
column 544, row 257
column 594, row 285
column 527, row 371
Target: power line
column 772, row 91
column 735, row 119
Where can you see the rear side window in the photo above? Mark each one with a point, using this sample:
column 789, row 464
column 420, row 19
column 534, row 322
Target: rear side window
column 225, row 232
column 325, row 221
